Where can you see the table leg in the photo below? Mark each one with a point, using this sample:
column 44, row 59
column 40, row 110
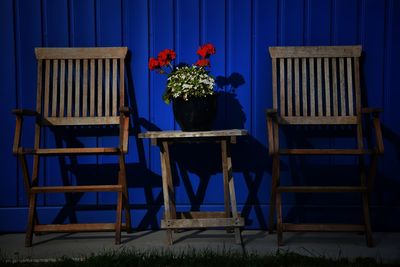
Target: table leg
column 168, row 188
column 227, row 170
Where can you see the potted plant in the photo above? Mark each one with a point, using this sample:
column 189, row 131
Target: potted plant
column 190, row 88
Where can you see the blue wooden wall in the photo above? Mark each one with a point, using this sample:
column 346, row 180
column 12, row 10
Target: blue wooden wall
column 241, row 30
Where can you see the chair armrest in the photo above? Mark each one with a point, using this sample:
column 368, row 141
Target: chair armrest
column 375, row 112
column 272, row 127
column 125, row 110
column 25, row 112
column 272, row 113
column 124, row 128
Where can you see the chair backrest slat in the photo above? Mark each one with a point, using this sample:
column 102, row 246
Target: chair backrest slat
column 85, row 88
column 316, row 81
column 62, row 87
column 334, row 88
column 304, row 85
column 92, row 85
column 80, row 83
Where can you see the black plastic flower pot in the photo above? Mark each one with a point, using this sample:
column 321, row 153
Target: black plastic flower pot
column 196, row 113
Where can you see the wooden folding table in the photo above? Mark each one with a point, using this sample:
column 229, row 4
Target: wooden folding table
column 230, row 218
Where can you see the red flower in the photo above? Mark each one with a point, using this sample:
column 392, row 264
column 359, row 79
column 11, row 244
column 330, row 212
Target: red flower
column 203, row 62
column 206, row 50
column 153, row 63
column 165, row 57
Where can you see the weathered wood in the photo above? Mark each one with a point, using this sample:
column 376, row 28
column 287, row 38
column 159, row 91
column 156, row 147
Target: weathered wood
column 69, row 93
column 81, row 53
column 181, row 134
column 296, row 87
column 315, row 51
column 107, row 88
column 289, row 82
column 343, row 111
column 327, row 87
column 282, row 86
column 78, row 188
column 77, row 87
column 114, row 88
column 62, row 87
column 319, row 87
column 319, row 120
column 61, row 151
column 203, row 214
column 76, row 227
column 202, row 223
column 46, row 89
column 350, row 86
column 72, row 102
column 274, row 84
column 312, row 88
column 334, row 88
column 304, row 86
column 85, row 88
column 100, row 87
column 81, row 121
column 330, row 102
column 92, row 86
column 55, row 89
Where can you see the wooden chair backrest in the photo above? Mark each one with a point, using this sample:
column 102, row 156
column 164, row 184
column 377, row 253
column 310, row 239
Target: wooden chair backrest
column 80, row 86
column 316, row 84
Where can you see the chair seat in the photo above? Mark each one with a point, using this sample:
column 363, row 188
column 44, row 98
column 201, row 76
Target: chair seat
column 70, row 151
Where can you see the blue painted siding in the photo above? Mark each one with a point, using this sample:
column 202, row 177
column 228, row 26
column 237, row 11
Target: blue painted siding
column 241, row 30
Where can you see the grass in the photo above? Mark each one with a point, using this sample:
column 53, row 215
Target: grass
column 195, row 258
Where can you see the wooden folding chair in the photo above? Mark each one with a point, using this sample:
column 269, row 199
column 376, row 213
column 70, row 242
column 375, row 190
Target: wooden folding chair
column 76, row 87
column 319, row 86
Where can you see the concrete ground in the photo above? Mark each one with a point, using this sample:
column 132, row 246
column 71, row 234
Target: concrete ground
column 79, row 245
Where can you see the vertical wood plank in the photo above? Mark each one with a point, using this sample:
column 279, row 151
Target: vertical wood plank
column 342, row 87
column 312, row 88
column 350, row 86
column 334, row 88
column 62, row 87
column 99, row 87
column 114, row 87
column 319, row 86
column 85, row 88
column 92, row 88
column 77, row 86
column 304, row 86
column 296, row 87
column 327, row 87
column 289, row 87
column 274, row 85
column 121, row 82
column 357, row 85
column 55, row 89
column 47, row 88
column 107, row 88
column 282, row 85
column 69, row 93
column 39, row 86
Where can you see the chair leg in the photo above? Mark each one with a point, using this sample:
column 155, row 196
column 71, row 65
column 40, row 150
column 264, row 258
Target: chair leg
column 365, row 204
column 275, row 177
column 125, row 198
column 279, row 218
column 31, row 220
column 118, row 220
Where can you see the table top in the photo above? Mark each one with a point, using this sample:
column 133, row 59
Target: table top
column 180, row 134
